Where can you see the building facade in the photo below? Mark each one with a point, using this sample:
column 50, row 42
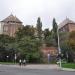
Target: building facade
column 10, row 25
column 1, row 28
column 50, row 52
column 67, row 26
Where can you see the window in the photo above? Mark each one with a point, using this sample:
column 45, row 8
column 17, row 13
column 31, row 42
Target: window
column 5, row 29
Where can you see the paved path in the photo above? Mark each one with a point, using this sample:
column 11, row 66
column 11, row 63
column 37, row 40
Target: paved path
column 34, row 66
column 16, row 70
column 39, row 66
column 42, row 66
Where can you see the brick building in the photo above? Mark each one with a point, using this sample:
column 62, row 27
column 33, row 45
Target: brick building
column 10, row 25
column 67, row 26
column 49, row 50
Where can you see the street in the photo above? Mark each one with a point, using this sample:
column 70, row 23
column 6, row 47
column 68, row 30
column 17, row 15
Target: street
column 9, row 70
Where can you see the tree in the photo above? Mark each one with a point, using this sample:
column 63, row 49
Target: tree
column 48, row 38
column 28, row 45
column 55, row 31
column 68, row 47
column 29, row 49
column 5, row 50
column 46, row 33
column 39, row 28
column 25, row 31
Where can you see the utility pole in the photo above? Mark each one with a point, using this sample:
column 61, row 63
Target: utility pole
column 59, row 48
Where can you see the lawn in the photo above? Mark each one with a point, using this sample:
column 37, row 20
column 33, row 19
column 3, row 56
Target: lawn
column 68, row 65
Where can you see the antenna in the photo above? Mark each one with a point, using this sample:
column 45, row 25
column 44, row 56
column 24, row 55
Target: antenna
column 11, row 11
column 67, row 17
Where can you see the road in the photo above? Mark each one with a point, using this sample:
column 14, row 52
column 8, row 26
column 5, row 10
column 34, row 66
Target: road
column 9, row 70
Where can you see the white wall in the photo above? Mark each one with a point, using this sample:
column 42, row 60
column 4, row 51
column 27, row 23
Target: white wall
column 1, row 28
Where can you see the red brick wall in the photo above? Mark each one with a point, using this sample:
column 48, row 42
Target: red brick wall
column 49, row 50
column 71, row 27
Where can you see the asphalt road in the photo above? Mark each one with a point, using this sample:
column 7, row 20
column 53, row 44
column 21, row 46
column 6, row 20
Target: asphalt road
column 7, row 70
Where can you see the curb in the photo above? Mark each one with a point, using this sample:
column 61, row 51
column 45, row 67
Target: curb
column 68, row 69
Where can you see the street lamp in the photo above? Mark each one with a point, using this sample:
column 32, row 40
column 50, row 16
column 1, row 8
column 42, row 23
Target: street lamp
column 59, row 48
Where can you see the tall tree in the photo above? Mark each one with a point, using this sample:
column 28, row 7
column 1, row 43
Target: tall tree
column 39, row 28
column 28, row 45
column 55, row 31
column 46, row 33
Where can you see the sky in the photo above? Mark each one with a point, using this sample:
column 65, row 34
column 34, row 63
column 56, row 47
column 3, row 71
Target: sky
column 29, row 10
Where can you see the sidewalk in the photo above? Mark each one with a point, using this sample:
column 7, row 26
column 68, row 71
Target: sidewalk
column 40, row 66
column 35, row 66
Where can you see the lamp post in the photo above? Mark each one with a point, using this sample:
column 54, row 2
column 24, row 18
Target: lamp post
column 59, row 48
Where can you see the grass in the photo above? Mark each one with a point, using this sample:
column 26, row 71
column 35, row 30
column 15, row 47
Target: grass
column 68, row 65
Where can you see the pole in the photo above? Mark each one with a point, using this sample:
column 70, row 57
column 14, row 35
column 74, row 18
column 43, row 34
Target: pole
column 15, row 58
column 59, row 48
column 48, row 58
column 7, row 57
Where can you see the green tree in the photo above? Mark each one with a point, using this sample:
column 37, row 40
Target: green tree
column 68, row 47
column 25, row 31
column 29, row 49
column 48, row 38
column 5, row 50
column 39, row 28
column 28, row 45
column 55, row 31
column 46, row 33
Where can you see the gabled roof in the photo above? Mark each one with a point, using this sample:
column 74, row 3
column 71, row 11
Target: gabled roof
column 66, row 21
column 11, row 18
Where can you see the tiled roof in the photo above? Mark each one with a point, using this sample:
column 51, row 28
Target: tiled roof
column 66, row 21
column 11, row 18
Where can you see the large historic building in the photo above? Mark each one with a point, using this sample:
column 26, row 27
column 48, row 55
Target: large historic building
column 67, row 26
column 10, row 25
